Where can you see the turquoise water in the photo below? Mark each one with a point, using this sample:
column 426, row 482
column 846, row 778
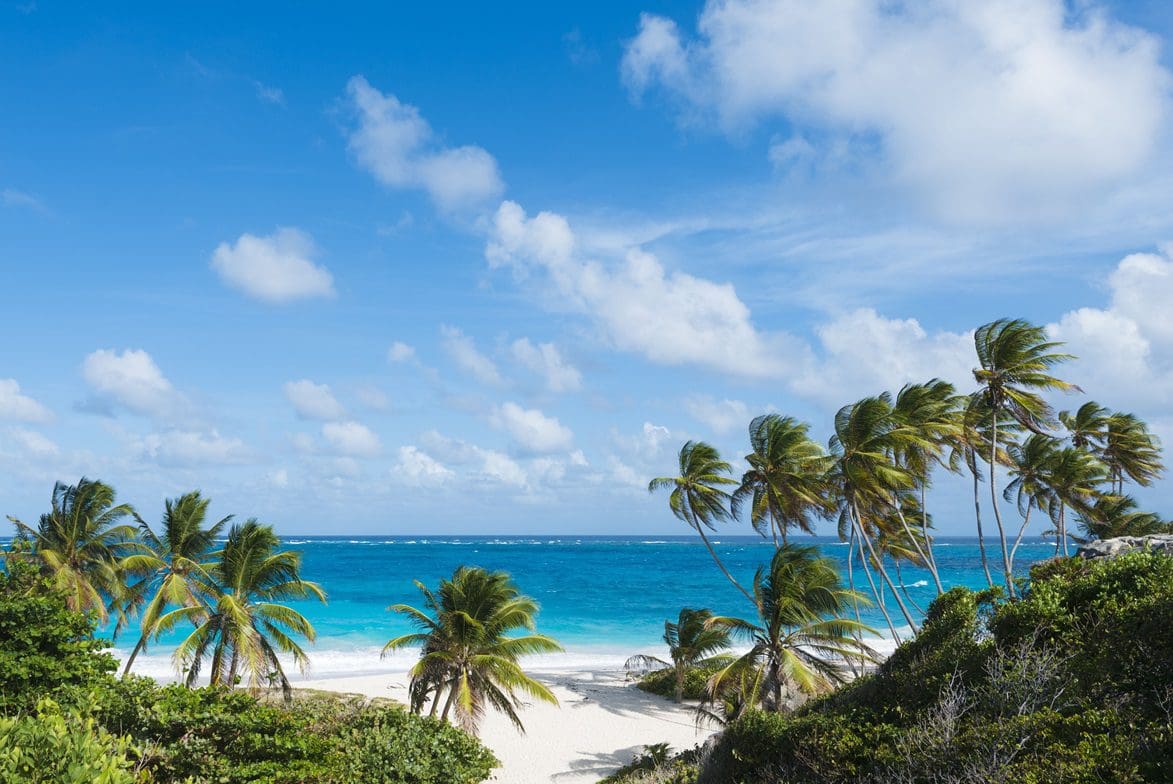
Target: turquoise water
column 603, row 598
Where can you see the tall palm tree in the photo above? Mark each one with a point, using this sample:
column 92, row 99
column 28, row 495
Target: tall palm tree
column 1015, row 359
column 80, row 545
column 1074, row 478
column 692, row 642
column 1130, row 451
column 698, row 496
column 466, row 651
column 246, row 627
column 869, row 484
column 1032, row 464
column 968, row 448
column 785, row 485
column 1111, row 516
column 798, row 639
column 931, row 410
column 174, row 563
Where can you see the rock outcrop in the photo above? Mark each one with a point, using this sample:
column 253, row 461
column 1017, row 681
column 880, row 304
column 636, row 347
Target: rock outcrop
column 1110, row 548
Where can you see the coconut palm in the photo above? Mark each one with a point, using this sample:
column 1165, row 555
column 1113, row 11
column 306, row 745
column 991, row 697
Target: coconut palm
column 698, row 496
column 1111, row 516
column 467, row 653
column 174, row 562
column 869, row 484
column 970, row 444
column 1016, row 358
column 80, row 545
column 1031, row 480
column 799, row 641
column 246, row 627
column 932, row 411
column 691, row 642
column 1087, row 427
column 1130, row 451
column 785, row 485
column 1074, row 478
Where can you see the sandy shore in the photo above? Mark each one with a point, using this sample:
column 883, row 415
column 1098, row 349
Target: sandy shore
column 601, row 723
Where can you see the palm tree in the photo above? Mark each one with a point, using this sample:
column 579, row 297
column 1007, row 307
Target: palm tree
column 1031, row 480
column 1074, row 478
column 798, row 639
column 692, row 643
column 969, row 446
column 869, row 484
column 246, row 627
column 698, row 497
column 174, row 563
column 930, row 410
column 1130, row 451
column 1016, row 358
column 786, row 483
column 1112, row 516
column 1087, row 427
column 80, row 544
column 466, row 651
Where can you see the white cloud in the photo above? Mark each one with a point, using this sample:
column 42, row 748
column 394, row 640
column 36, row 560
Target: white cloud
column 10, row 197
column 464, row 353
column 499, row 467
column 186, row 448
column 1125, row 351
column 722, row 416
column 18, row 406
column 372, row 397
column 671, row 318
column 396, row 144
column 132, row 380
column 546, row 361
column 278, row 268
column 400, row 352
column 419, row 469
column 270, row 95
column 278, row 478
column 32, row 444
column 313, row 401
column 532, row 430
column 1008, row 110
column 352, row 439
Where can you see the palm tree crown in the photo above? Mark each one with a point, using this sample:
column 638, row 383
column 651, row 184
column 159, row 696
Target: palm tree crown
column 692, row 642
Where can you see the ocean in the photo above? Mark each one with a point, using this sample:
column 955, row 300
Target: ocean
column 602, row 597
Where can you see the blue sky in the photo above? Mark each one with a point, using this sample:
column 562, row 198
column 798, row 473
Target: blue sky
column 364, row 268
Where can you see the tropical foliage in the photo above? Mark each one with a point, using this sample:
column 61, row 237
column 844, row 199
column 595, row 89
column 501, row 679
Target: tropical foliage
column 693, row 644
column 468, row 659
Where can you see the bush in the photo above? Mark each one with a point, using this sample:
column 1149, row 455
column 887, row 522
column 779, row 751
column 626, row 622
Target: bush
column 663, row 682
column 392, row 746
column 57, row 747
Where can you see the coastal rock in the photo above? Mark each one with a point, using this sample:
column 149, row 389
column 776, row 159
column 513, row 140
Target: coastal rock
column 1110, row 548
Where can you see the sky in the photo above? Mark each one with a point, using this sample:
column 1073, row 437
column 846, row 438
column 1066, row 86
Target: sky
column 457, row 268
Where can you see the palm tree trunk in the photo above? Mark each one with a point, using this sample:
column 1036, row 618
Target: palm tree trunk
column 924, row 524
column 855, row 530
column 142, row 643
column 904, row 588
column 680, row 673
column 977, row 508
column 925, row 558
column 888, row 581
column 1063, row 527
column 854, row 599
column 448, row 703
column 1021, row 532
column 994, row 501
column 232, row 668
column 436, row 700
column 721, row 566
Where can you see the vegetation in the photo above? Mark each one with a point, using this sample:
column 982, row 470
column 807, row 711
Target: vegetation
column 467, row 660
column 694, row 645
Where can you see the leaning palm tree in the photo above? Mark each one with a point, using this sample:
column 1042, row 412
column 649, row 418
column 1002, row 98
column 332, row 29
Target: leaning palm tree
column 246, row 626
column 969, row 446
column 786, row 485
column 1087, row 426
column 174, row 564
column 692, row 643
column 799, row 639
column 1016, row 358
column 698, row 496
column 1031, row 480
column 468, row 658
column 80, row 545
column 1131, row 452
column 1112, row 516
column 1074, row 478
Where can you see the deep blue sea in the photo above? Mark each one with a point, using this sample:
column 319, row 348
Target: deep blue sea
column 602, row 597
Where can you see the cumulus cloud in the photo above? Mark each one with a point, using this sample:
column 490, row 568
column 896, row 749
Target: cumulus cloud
column 277, row 269
column 546, row 361
column 16, row 405
column 400, row 352
column 31, row 444
column 1125, row 350
column 670, row 317
column 187, row 448
column 532, row 430
column 722, row 416
column 419, row 469
column 351, row 439
column 464, row 353
column 313, row 401
column 995, row 111
column 395, row 144
column 131, row 379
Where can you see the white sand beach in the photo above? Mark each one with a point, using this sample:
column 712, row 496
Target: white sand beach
column 602, row 721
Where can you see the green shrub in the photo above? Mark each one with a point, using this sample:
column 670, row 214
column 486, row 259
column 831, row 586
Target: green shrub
column 663, row 682
column 57, row 747
column 392, row 746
